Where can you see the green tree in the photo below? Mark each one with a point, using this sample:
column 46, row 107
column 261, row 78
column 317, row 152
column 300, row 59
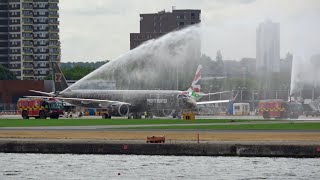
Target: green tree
column 77, row 72
column 6, row 74
column 74, row 73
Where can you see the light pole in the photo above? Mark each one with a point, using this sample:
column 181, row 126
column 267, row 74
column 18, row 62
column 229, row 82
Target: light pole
column 241, row 91
column 252, row 95
column 253, row 100
column 210, row 92
column 287, row 89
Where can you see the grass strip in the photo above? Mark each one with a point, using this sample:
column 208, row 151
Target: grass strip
column 96, row 122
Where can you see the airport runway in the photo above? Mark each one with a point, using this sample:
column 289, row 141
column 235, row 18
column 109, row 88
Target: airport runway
column 101, row 128
column 119, row 132
column 253, row 117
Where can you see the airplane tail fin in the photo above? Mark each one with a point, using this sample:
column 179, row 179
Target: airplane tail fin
column 194, row 90
column 60, row 82
column 195, row 86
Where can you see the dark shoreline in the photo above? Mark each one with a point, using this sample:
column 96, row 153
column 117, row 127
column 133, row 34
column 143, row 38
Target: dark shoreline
column 171, row 149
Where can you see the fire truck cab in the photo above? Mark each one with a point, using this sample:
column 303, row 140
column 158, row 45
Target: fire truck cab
column 40, row 108
column 280, row 109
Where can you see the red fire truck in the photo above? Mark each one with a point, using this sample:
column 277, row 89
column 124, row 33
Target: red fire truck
column 40, row 108
column 275, row 108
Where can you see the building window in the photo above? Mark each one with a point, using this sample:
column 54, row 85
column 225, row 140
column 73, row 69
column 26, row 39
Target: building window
column 42, row 13
column 180, row 17
column 193, row 16
column 180, row 24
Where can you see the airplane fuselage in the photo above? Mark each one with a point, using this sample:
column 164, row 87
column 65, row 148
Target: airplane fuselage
column 138, row 100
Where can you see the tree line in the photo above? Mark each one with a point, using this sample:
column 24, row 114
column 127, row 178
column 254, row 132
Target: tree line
column 77, row 70
column 6, row 74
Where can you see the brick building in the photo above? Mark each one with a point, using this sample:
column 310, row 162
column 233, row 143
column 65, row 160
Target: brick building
column 12, row 90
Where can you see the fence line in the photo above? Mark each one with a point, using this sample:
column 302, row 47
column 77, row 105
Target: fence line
column 8, row 113
column 8, row 107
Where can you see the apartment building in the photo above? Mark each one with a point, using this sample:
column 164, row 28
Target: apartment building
column 29, row 37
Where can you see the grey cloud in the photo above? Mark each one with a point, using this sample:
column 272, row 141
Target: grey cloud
column 106, row 24
column 247, row 1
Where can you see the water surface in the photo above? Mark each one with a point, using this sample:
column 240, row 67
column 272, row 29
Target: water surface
column 67, row 166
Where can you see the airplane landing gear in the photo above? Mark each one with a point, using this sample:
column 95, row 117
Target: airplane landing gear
column 149, row 115
column 135, row 116
column 106, row 116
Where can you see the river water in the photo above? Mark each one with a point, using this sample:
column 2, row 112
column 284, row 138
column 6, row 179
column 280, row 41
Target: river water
column 67, row 166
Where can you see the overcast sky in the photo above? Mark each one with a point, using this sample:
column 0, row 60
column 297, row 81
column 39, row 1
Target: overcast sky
column 99, row 29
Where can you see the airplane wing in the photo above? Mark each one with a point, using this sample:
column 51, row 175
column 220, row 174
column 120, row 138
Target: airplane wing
column 213, row 102
column 207, row 94
column 38, row 96
column 218, row 101
column 98, row 102
column 44, row 93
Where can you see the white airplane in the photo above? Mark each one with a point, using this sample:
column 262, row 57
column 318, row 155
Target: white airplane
column 130, row 102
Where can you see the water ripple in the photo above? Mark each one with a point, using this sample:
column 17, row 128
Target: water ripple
column 67, row 166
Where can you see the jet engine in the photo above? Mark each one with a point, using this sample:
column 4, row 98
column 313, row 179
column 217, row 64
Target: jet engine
column 120, row 109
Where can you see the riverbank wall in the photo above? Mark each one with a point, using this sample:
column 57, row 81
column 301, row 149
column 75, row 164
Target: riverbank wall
column 174, row 149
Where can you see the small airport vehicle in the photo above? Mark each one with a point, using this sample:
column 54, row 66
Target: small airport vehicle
column 240, row 109
column 156, row 139
column 40, row 108
column 275, row 108
column 189, row 115
column 312, row 113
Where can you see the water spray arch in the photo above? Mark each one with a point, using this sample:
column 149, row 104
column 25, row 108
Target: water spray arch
column 168, row 62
